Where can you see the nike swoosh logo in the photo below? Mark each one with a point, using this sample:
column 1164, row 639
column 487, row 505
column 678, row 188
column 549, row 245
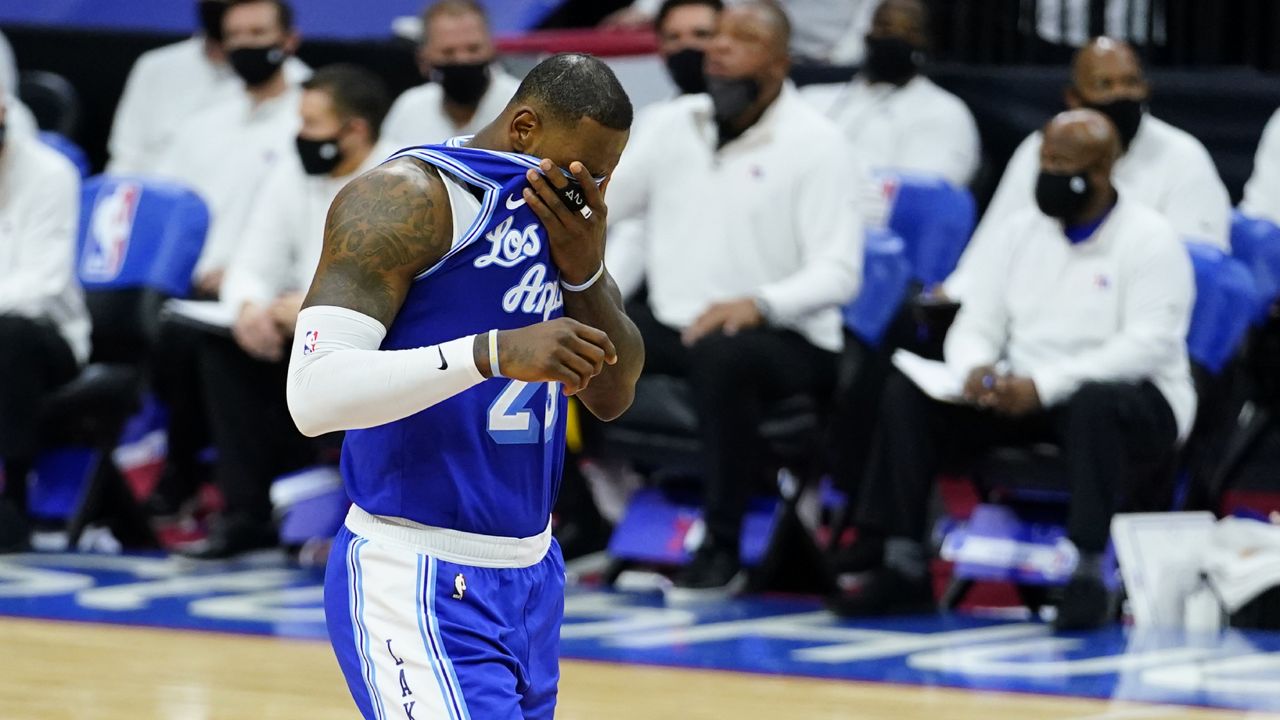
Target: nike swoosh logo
column 444, row 364
column 514, row 204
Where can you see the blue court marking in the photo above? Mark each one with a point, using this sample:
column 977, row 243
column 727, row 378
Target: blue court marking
column 774, row 635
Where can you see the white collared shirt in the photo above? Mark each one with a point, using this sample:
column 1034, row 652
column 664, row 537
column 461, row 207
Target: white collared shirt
column 1165, row 169
column 225, row 153
column 284, row 234
column 166, row 88
column 39, row 217
column 917, row 128
column 418, row 118
column 771, row 214
column 1262, row 192
column 1115, row 307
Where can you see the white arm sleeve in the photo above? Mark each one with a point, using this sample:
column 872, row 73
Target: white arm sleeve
column 340, row 380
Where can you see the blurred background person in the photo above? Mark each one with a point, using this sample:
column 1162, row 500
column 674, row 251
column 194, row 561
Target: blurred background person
column 466, row 87
column 825, row 31
column 894, row 116
column 170, row 85
column 18, row 117
column 243, row 377
column 225, row 151
column 751, row 242
column 1262, row 192
column 1161, row 166
column 1074, row 333
column 684, row 28
column 44, row 326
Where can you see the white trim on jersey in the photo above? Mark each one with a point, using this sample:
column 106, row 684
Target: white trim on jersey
column 492, row 190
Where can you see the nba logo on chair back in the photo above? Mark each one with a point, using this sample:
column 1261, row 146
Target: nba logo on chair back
column 110, row 228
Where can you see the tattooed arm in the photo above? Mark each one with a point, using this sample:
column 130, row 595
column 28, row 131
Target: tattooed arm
column 384, row 229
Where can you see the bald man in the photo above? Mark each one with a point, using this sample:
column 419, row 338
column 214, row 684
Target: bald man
column 895, row 118
column 1163, row 167
column 1075, row 335
column 751, row 243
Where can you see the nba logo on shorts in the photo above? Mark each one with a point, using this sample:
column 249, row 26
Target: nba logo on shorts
column 309, row 342
column 110, row 227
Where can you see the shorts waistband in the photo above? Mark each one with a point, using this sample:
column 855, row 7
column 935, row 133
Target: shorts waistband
column 455, row 546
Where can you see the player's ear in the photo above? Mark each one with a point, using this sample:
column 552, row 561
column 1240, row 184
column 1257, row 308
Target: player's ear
column 524, row 129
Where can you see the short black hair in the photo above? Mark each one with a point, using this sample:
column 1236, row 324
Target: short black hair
column 670, row 5
column 572, row 86
column 283, row 10
column 356, row 93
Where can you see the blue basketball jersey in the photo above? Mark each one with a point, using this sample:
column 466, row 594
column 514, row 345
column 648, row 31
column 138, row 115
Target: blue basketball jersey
column 487, row 460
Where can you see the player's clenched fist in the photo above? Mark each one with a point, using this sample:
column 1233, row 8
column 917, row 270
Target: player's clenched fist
column 561, row 350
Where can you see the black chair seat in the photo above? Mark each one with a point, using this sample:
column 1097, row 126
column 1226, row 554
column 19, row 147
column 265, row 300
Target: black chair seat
column 96, row 403
column 661, row 428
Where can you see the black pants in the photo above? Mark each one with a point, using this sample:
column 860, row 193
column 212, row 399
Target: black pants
column 1112, row 435
column 34, row 361
column 254, row 435
column 733, row 380
column 175, row 377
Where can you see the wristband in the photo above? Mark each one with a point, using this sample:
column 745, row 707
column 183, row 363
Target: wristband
column 494, row 370
column 586, row 285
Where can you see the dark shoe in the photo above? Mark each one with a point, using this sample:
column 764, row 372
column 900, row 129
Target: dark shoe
column 885, row 591
column 231, row 537
column 171, row 493
column 713, row 572
column 1086, row 604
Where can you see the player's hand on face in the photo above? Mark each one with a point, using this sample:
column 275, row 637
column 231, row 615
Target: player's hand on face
column 256, row 333
column 577, row 240
column 729, row 318
column 561, row 350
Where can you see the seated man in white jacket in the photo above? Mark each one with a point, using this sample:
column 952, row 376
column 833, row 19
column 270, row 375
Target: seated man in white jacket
column 466, row 87
column 44, row 327
column 752, row 242
column 1161, row 166
column 894, row 116
column 1074, row 334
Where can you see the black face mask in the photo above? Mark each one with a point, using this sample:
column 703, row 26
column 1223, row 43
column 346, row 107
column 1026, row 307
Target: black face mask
column 731, row 97
column 891, row 60
column 463, row 83
column 1063, row 197
column 319, row 157
column 210, row 17
column 1125, row 114
column 256, row 65
column 686, row 71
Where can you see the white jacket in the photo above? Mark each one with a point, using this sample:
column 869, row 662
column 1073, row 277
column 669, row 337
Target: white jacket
column 1115, row 307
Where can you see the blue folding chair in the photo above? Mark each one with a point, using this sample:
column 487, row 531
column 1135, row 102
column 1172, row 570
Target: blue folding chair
column 138, row 245
column 69, row 149
column 886, row 275
column 1256, row 243
column 1226, row 299
column 934, row 219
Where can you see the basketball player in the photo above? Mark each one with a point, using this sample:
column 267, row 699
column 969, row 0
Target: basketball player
column 460, row 297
